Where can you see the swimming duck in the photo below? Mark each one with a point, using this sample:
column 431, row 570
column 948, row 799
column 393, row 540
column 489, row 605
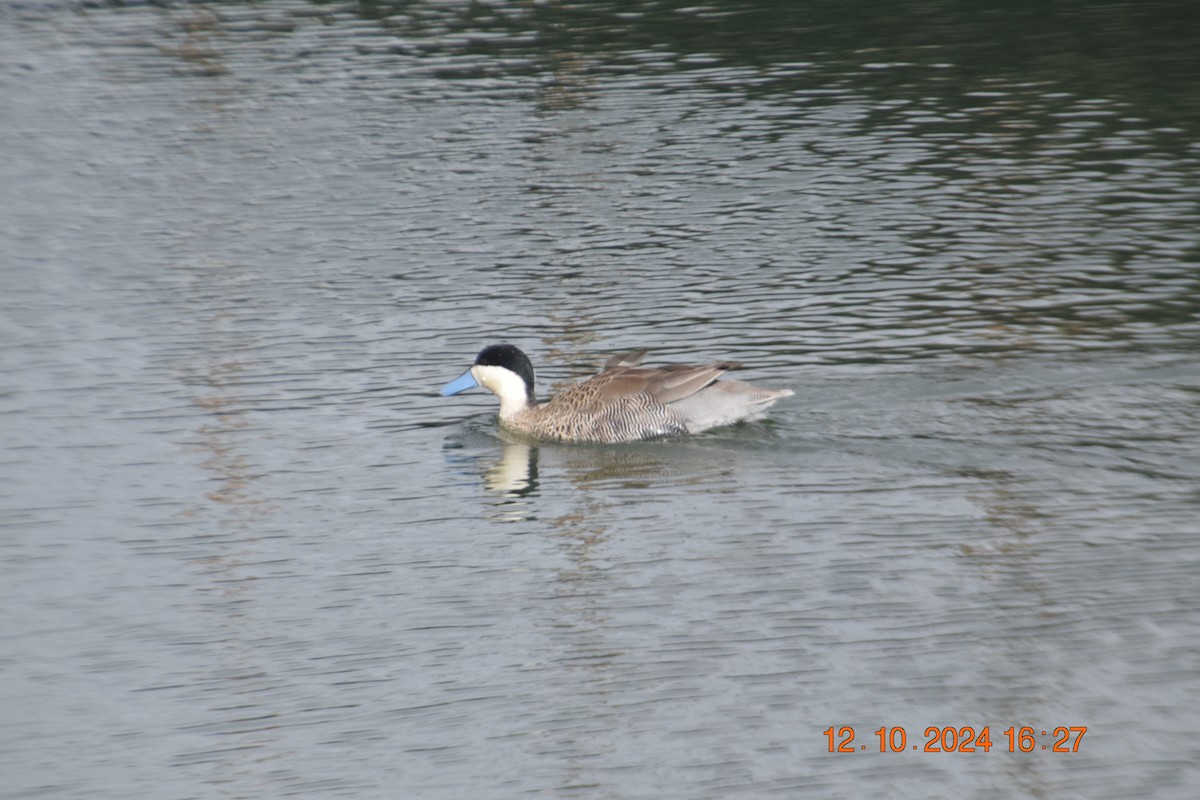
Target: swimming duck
column 622, row 403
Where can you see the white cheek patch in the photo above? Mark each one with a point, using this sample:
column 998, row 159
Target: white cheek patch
column 505, row 384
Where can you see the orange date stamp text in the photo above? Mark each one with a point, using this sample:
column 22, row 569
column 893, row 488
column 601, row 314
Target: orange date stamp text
column 966, row 739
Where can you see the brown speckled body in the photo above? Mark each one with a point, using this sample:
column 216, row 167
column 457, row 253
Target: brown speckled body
column 627, row 403
column 582, row 414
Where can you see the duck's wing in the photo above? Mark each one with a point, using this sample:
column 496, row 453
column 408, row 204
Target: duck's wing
column 676, row 381
column 630, row 359
column 664, row 385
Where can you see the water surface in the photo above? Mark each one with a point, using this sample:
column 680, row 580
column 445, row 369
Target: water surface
column 248, row 551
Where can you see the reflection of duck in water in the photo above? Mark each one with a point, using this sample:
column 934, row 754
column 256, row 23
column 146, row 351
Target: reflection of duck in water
column 623, row 403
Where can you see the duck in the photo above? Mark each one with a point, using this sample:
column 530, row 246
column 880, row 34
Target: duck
column 624, row 402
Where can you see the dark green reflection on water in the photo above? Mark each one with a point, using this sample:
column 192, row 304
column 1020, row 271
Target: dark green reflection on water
column 1138, row 51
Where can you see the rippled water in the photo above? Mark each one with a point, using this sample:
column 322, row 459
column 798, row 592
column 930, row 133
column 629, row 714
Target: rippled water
column 247, row 551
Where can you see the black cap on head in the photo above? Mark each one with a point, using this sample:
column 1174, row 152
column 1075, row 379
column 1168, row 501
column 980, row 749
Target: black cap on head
column 511, row 358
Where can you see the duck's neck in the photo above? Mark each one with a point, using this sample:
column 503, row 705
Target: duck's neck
column 514, row 404
column 515, row 395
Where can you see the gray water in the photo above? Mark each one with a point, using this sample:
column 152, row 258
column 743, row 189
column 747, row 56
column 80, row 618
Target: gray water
column 247, row 551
